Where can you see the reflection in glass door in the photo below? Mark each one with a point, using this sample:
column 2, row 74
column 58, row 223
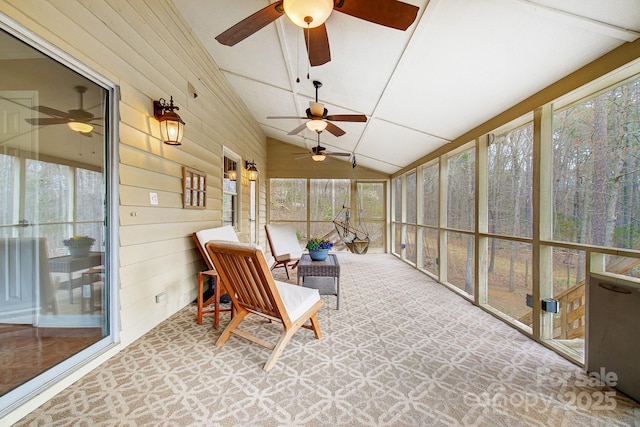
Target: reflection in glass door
column 53, row 192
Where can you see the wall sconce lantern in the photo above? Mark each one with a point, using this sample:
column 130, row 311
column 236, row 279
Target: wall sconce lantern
column 171, row 125
column 252, row 170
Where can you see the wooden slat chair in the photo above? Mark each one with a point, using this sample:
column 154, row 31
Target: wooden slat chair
column 201, row 238
column 253, row 290
column 284, row 246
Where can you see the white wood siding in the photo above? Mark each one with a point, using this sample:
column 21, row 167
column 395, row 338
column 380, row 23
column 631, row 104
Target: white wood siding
column 148, row 50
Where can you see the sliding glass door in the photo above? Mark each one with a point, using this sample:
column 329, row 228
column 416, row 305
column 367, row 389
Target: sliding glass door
column 54, row 287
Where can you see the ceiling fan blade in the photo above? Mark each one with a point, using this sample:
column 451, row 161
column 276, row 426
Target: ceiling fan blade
column 390, row 13
column 328, row 153
column 347, row 117
column 298, row 129
column 51, row 111
column 251, row 24
column 47, row 121
column 334, row 130
column 317, row 42
column 286, row 117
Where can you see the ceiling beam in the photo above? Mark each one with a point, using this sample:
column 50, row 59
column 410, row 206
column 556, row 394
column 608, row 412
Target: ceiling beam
column 584, row 22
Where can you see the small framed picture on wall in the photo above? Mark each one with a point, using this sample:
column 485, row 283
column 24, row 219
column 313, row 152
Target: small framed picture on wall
column 194, row 188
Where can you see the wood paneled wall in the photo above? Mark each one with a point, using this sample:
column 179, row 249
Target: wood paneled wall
column 146, row 49
column 282, row 162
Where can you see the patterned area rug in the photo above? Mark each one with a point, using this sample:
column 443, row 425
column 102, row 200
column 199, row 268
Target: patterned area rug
column 401, row 351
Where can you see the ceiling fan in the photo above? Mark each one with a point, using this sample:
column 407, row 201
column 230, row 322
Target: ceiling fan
column 79, row 120
column 319, row 153
column 312, row 14
column 319, row 119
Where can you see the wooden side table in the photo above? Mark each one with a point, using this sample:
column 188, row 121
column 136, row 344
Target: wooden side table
column 321, row 275
column 213, row 299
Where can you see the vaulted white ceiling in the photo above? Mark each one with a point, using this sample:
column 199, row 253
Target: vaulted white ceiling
column 461, row 63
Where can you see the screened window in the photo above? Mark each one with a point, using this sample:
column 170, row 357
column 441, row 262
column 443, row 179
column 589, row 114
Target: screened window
column 510, row 175
column 288, row 199
column 596, row 169
column 460, row 261
column 371, row 206
column 328, row 200
column 461, row 189
column 289, row 203
column 410, row 181
column 431, row 194
column 430, row 250
column 397, row 199
column 396, row 227
column 509, row 277
column 327, row 197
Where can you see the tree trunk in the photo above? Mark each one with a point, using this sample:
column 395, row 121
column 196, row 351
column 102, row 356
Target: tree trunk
column 600, row 181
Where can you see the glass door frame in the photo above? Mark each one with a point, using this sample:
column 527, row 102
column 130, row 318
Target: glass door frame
column 50, row 378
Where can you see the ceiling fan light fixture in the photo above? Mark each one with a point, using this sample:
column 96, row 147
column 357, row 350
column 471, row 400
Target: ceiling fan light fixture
column 308, row 13
column 316, row 125
column 80, row 126
column 318, row 157
column 316, row 108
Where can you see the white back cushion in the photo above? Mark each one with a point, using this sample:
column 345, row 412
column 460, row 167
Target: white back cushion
column 284, row 241
column 222, row 233
column 219, row 233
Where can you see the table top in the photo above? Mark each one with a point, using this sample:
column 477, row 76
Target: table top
column 328, row 267
column 67, row 264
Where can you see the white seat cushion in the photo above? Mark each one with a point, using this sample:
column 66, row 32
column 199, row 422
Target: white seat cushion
column 297, row 300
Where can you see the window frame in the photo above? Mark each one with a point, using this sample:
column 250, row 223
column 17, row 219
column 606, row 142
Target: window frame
column 229, row 157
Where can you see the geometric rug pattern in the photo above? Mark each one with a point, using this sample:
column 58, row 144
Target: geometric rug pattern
column 401, row 351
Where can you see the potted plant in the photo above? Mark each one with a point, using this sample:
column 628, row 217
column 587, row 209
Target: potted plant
column 319, row 248
column 79, row 245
